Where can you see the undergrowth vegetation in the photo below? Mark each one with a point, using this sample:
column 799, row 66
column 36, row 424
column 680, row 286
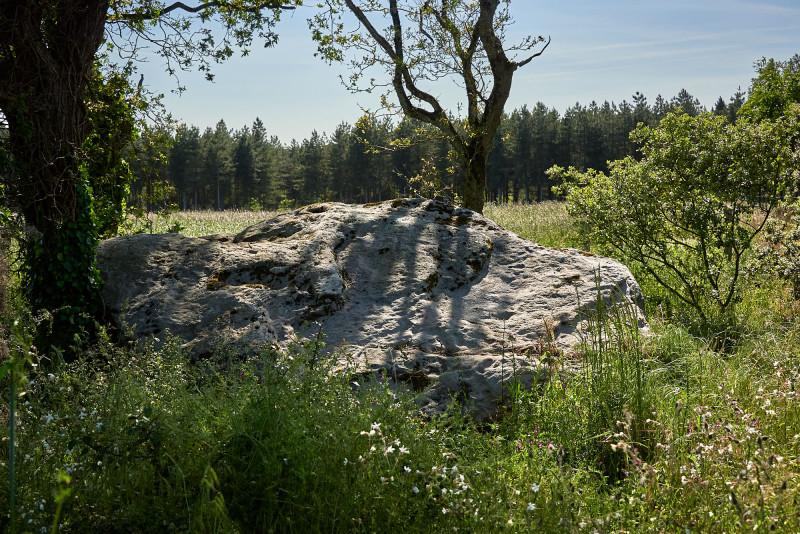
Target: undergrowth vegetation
column 665, row 432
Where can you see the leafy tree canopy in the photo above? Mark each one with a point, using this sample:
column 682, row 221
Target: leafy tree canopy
column 774, row 90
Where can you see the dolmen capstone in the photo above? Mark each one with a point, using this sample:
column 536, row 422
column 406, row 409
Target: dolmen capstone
column 435, row 297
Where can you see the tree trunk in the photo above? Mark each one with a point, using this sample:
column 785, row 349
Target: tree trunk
column 47, row 50
column 475, row 180
column 219, row 196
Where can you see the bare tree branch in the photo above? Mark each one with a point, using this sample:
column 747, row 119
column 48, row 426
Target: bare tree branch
column 151, row 15
column 454, row 40
column 537, row 54
column 402, row 79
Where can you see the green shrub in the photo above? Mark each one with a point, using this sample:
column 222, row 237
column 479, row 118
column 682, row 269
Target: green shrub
column 689, row 210
column 779, row 252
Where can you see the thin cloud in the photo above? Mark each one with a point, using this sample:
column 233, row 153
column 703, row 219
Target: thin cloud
column 686, row 39
column 760, row 8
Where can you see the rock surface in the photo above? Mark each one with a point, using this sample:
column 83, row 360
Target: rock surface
column 427, row 292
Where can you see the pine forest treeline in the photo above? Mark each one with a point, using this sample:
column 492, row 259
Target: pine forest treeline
column 372, row 160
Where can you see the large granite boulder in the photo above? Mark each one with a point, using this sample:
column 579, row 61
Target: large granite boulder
column 429, row 293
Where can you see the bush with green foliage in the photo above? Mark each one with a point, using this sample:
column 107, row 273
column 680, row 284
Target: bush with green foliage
column 688, row 211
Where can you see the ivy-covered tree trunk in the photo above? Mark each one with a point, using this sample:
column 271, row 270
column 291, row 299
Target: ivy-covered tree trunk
column 47, row 57
column 44, row 72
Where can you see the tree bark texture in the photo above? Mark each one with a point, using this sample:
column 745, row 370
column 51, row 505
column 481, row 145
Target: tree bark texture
column 47, row 50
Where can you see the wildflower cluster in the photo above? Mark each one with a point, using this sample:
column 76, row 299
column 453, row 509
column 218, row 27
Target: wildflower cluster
column 717, row 450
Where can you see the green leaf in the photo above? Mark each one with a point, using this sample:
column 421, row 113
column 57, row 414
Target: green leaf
column 6, row 368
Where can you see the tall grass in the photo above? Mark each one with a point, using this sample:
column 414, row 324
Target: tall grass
column 547, row 223
column 656, row 433
column 205, row 222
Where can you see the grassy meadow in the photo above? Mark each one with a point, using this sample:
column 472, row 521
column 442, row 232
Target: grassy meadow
column 664, row 433
column 205, row 222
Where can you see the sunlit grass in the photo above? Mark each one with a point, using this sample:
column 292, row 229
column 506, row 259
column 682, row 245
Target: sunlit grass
column 546, row 223
column 207, row 222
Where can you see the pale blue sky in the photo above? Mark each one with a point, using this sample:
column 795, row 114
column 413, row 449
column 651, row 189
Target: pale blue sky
column 600, row 51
